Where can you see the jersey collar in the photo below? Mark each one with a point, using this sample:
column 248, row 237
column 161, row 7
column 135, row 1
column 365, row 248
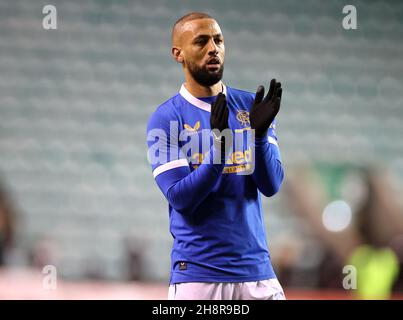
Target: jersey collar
column 197, row 102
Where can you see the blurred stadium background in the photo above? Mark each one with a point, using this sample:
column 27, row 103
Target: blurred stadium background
column 78, row 193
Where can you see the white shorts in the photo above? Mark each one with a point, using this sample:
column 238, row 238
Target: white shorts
column 253, row 290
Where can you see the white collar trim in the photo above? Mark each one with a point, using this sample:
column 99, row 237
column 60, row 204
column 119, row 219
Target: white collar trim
column 197, row 102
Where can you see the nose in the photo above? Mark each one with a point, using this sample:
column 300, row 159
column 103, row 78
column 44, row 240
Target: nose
column 212, row 48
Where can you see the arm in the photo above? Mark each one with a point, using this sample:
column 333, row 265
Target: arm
column 183, row 189
column 268, row 174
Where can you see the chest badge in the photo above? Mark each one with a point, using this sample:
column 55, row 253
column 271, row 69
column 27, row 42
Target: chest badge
column 243, row 117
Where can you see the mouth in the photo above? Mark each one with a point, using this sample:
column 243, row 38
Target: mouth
column 213, row 63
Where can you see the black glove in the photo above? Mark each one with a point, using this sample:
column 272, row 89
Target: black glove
column 219, row 113
column 265, row 110
column 219, row 121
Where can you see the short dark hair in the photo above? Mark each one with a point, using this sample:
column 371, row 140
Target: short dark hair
column 188, row 17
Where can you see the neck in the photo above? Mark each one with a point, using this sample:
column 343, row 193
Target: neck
column 197, row 90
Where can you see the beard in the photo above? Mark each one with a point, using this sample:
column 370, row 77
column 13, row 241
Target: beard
column 205, row 77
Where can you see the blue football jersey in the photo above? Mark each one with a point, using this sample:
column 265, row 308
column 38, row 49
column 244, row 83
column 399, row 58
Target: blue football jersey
column 215, row 212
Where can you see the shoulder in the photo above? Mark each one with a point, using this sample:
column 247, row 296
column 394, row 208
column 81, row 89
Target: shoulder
column 241, row 97
column 167, row 111
column 240, row 93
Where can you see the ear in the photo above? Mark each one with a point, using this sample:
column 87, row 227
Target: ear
column 177, row 54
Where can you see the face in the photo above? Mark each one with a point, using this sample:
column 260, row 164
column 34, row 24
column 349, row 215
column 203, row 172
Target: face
column 202, row 51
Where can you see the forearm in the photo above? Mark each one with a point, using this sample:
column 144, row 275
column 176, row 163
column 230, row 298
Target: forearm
column 268, row 174
column 185, row 190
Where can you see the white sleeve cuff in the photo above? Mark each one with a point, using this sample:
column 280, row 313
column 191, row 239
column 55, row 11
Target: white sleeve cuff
column 170, row 165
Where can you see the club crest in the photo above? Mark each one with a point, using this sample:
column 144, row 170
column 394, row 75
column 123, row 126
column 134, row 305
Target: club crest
column 243, row 117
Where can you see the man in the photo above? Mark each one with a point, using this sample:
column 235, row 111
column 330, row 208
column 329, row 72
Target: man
column 216, row 219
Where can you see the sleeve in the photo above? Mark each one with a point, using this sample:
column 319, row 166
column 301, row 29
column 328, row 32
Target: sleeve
column 268, row 174
column 184, row 189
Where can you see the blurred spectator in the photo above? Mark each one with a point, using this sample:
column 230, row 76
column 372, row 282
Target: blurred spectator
column 44, row 252
column 372, row 242
column 135, row 250
column 7, row 222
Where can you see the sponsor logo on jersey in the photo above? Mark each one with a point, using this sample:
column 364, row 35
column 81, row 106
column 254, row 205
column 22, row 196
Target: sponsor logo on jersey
column 237, row 161
column 194, row 128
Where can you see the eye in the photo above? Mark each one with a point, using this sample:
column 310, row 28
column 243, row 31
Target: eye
column 218, row 40
column 200, row 42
